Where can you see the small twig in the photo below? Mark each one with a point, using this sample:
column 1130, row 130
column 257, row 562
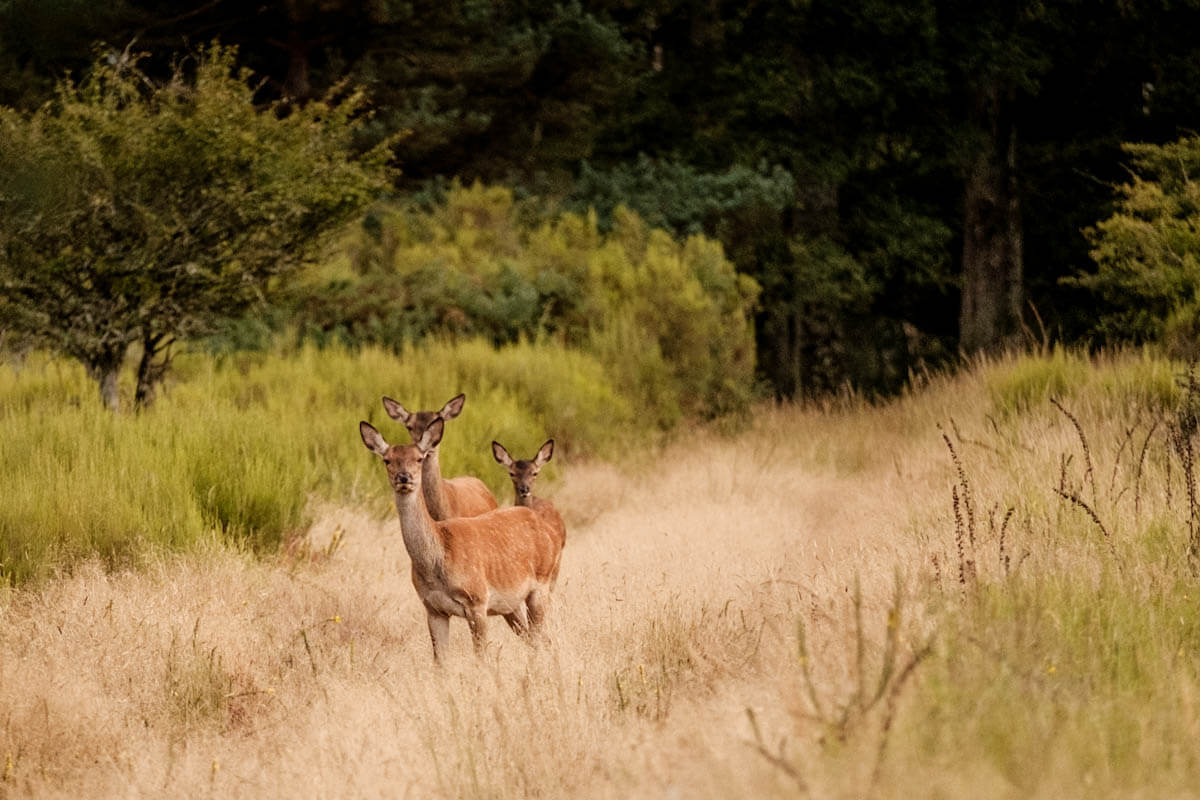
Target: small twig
column 1089, row 472
column 777, row 761
column 966, row 487
column 1137, row 477
column 893, row 703
column 1004, row 557
column 1128, row 440
column 1091, row 512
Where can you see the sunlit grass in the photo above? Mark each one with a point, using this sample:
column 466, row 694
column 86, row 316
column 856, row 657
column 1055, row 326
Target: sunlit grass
column 792, row 606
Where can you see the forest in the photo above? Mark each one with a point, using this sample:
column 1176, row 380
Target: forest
column 854, row 344
column 902, row 182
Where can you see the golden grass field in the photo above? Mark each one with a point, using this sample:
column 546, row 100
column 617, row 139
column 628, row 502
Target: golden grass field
column 674, row 666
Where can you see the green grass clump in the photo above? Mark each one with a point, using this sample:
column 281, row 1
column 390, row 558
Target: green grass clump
column 1018, row 385
column 1059, row 676
column 1140, row 379
column 237, row 447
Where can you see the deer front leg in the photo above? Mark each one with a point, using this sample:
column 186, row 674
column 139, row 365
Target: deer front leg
column 439, row 632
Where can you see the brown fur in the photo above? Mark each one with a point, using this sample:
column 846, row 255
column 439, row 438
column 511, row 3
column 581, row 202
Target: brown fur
column 523, row 474
column 502, row 562
column 464, row 496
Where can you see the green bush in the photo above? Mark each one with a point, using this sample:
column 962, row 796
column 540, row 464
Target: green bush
column 649, row 307
column 239, row 445
column 1147, row 253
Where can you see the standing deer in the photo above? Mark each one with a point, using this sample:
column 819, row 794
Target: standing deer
column 523, row 473
column 501, row 562
column 464, row 496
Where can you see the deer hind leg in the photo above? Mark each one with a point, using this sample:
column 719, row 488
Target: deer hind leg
column 518, row 621
column 477, row 622
column 439, row 632
column 538, row 602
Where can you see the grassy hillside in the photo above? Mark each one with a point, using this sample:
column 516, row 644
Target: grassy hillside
column 983, row 588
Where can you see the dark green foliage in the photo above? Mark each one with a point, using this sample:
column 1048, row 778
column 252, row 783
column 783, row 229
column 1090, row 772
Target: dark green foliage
column 860, row 135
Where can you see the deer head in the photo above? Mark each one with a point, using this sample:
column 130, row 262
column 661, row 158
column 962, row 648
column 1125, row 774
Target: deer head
column 403, row 461
column 523, row 472
column 418, row 422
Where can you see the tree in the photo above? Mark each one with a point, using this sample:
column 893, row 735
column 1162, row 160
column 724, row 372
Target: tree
column 1147, row 252
column 135, row 213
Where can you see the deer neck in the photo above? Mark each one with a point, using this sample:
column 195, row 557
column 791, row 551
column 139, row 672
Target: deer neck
column 432, row 487
column 420, row 536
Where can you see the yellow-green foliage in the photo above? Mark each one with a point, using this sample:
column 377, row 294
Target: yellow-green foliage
column 236, row 448
column 669, row 319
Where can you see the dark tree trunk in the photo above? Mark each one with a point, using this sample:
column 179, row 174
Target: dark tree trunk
column 992, row 293
column 150, row 372
column 296, row 85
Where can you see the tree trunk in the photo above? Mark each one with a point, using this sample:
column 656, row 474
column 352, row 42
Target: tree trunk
column 296, row 86
column 109, row 391
column 150, row 373
column 992, row 236
column 105, row 372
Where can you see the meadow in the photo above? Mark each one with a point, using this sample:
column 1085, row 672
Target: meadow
column 984, row 587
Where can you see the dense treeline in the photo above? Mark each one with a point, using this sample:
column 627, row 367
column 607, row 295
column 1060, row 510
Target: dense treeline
column 901, row 180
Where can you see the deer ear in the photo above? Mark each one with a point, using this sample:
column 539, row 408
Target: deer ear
column 453, row 408
column 501, row 455
column 544, row 453
column 395, row 410
column 372, row 438
column 432, row 435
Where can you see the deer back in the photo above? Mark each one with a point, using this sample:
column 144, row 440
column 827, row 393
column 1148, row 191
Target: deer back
column 467, row 496
column 503, row 549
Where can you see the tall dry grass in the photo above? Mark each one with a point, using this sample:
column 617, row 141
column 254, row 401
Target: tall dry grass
column 774, row 611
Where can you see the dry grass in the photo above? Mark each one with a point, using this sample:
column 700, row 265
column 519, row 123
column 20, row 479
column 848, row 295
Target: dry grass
column 674, row 667
column 312, row 675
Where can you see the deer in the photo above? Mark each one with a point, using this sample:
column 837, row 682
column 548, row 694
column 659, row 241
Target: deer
column 465, row 496
column 501, row 562
column 523, row 472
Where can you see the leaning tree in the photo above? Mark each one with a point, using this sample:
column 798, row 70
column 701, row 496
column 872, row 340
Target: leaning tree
column 135, row 214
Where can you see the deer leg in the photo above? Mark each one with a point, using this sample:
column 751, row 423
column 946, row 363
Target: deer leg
column 477, row 621
column 518, row 621
column 439, row 632
column 538, row 601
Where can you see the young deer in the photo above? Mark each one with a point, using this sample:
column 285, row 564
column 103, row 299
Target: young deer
column 522, row 473
column 501, row 562
column 465, row 496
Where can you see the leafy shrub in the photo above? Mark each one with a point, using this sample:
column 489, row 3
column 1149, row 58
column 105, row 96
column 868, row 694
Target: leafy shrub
column 1147, row 253
column 648, row 306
